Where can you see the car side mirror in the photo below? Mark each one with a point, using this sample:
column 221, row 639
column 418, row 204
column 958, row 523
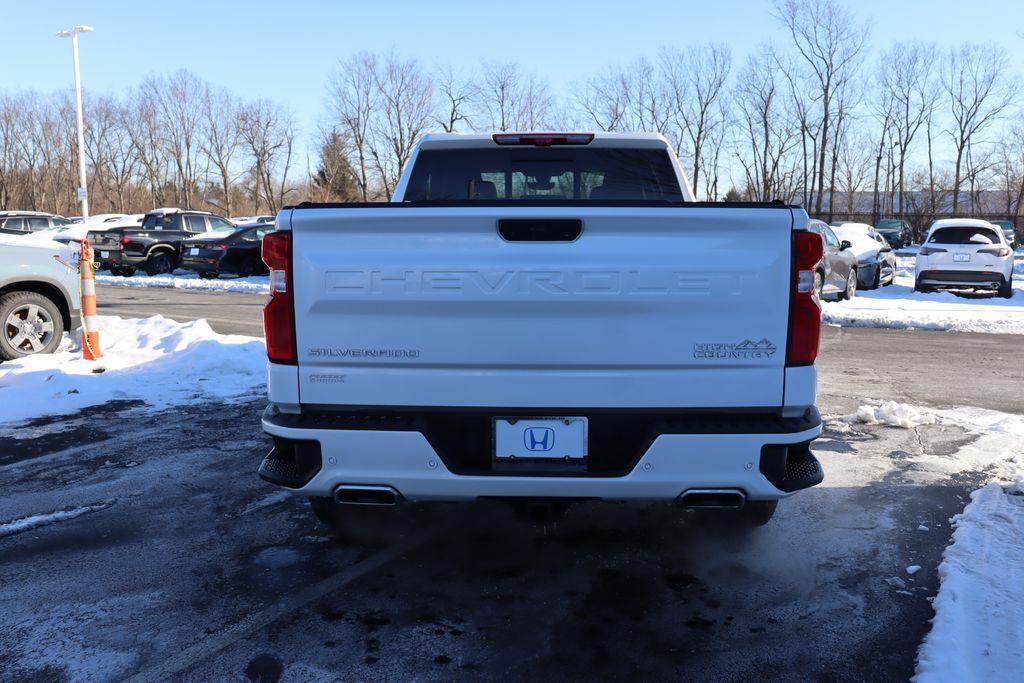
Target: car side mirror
column 845, row 244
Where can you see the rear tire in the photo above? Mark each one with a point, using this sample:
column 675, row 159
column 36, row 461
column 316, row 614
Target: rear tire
column 160, row 263
column 851, row 286
column 877, row 282
column 755, row 513
column 247, row 267
column 21, row 309
column 1006, row 291
column 758, row 512
column 923, row 289
column 360, row 524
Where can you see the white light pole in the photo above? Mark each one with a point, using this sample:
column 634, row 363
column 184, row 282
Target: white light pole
column 83, row 194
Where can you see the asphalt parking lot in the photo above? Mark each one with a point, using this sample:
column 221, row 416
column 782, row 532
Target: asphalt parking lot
column 181, row 564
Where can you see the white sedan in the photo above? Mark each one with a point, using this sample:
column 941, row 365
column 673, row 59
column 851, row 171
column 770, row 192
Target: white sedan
column 965, row 253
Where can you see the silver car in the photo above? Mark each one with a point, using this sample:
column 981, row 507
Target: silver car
column 39, row 296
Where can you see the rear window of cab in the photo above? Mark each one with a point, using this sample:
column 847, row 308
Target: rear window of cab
column 549, row 173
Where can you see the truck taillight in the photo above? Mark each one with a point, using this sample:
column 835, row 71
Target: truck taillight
column 279, row 311
column 804, row 307
column 124, row 241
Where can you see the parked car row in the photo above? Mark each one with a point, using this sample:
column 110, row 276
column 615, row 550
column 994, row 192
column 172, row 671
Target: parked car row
column 855, row 256
column 170, row 238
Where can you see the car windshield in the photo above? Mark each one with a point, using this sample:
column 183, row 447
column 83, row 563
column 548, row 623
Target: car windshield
column 888, row 225
column 532, row 173
column 963, row 235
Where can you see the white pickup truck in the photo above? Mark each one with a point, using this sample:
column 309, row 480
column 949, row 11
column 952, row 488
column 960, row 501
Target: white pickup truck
column 545, row 317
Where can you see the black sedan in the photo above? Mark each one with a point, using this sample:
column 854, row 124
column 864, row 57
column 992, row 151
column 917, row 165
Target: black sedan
column 236, row 252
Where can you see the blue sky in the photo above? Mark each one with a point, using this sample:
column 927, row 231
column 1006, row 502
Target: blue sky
column 286, row 49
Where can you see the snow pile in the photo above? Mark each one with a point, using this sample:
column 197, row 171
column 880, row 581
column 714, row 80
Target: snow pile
column 157, row 360
column 900, row 307
column 256, row 284
column 978, row 630
column 895, row 414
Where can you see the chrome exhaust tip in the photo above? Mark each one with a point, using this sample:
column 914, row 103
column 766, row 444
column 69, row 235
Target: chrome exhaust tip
column 713, row 499
column 363, row 494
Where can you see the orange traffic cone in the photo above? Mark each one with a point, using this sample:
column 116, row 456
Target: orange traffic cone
column 90, row 331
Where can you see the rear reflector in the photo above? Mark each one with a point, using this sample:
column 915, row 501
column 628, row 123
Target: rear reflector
column 543, row 139
column 279, row 311
column 804, row 307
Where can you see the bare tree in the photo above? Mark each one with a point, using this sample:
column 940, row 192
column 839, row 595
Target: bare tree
column 352, row 101
column 268, row 133
column 457, row 95
column 768, row 131
column 697, row 78
column 907, row 80
column 406, row 106
column 512, row 100
column 830, row 44
column 974, row 78
column 220, row 138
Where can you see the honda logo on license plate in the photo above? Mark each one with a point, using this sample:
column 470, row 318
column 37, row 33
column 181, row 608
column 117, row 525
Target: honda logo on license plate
column 539, row 439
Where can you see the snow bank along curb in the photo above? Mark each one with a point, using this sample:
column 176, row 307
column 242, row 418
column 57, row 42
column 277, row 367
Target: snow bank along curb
column 257, row 284
column 978, row 630
column 156, row 360
column 900, row 307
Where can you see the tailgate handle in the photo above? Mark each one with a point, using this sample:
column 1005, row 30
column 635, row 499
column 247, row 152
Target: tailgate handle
column 540, row 229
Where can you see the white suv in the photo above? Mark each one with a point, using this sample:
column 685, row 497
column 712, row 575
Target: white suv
column 965, row 253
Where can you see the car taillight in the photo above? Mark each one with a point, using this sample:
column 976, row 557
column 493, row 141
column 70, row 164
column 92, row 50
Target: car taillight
column 804, row 307
column 925, row 251
column 124, row 241
column 542, row 139
column 278, row 312
column 997, row 251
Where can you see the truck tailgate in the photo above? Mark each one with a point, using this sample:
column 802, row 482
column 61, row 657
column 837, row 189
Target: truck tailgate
column 674, row 307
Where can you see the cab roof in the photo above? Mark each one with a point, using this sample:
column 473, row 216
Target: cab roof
column 600, row 139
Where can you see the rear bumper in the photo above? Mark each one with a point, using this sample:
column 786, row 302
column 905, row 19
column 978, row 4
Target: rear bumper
column 201, row 264
column 961, row 278
column 765, row 457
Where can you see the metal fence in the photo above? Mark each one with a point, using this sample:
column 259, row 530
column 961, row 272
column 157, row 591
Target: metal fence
column 919, row 222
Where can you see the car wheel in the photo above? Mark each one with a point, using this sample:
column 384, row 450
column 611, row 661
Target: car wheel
column 923, row 289
column 851, row 285
column 1006, row 291
column 31, row 324
column 877, row 282
column 758, row 512
column 361, row 524
column 159, row 263
column 247, row 267
column 753, row 514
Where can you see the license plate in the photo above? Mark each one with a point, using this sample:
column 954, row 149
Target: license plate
column 961, row 257
column 540, row 438
column 193, row 252
column 104, row 254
